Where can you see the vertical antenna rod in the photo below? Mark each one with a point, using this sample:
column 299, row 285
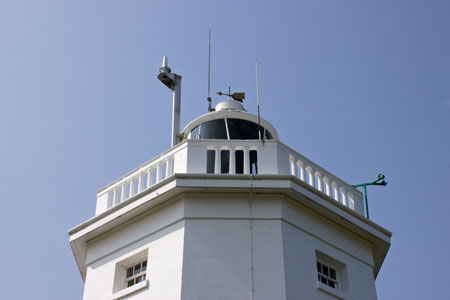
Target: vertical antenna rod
column 209, row 72
column 261, row 136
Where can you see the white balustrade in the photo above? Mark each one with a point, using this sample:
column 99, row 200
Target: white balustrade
column 323, row 181
column 138, row 182
column 270, row 155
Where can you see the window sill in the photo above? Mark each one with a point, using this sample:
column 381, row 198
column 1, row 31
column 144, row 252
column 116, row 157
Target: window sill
column 130, row 290
column 331, row 291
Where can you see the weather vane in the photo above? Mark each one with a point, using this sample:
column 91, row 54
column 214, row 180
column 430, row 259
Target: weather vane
column 236, row 96
column 364, row 185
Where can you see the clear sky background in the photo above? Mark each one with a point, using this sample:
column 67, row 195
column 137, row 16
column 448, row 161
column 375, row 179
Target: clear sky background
column 359, row 87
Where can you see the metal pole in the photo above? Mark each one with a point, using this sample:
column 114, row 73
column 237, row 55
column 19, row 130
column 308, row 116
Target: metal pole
column 176, row 109
column 367, row 202
column 173, row 82
column 257, row 100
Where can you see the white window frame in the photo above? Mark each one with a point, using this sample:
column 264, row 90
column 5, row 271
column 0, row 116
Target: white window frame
column 328, row 278
column 121, row 278
column 134, row 277
column 340, row 289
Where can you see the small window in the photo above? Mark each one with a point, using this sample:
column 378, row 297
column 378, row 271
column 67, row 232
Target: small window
column 225, row 161
column 210, row 161
column 131, row 274
column 239, row 161
column 331, row 276
column 136, row 273
column 253, row 162
column 327, row 275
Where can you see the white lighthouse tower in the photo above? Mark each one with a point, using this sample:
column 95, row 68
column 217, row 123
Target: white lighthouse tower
column 228, row 212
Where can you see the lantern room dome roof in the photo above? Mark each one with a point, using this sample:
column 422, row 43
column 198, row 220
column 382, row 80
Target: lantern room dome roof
column 230, row 121
column 230, row 105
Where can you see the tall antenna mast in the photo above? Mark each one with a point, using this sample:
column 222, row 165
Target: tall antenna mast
column 261, row 136
column 209, row 72
column 173, row 82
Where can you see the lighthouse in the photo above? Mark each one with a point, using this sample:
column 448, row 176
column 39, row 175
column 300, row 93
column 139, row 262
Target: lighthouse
column 228, row 212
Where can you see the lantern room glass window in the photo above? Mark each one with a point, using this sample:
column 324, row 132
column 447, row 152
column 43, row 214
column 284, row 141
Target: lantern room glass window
column 230, row 128
column 214, row 129
column 245, row 130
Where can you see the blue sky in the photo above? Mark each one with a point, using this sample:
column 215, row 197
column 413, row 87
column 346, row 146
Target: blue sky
column 359, row 87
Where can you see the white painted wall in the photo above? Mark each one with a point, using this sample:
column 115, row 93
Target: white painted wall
column 304, row 233
column 161, row 233
column 196, row 162
column 300, row 268
column 180, row 161
column 217, row 249
column 199, row 247
column 102, row 203
column 216, row 262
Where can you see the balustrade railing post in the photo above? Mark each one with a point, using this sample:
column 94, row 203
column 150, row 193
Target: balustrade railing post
column 319, row 181
column 141, row 182
column 310, row 175
column 246, row 161
column 327, row 186
column 158, row 172
column 122, row 192
column 116, row 196
column 217, row 164
column 301, row 165
column 351, row 200
column 132, row 186
column 293, row 166
column 232, row 161
column 169, row 170
column 109, row 204
column 336, row 191
column 344, row 196
column 149, row 177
